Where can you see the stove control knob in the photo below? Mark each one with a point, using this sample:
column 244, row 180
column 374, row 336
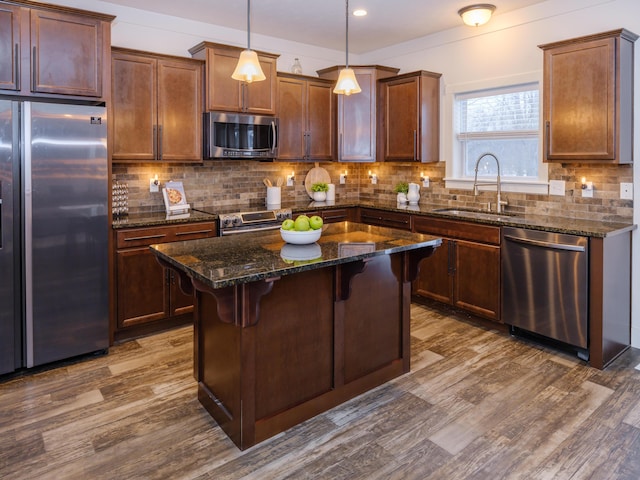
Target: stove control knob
column 237, row 221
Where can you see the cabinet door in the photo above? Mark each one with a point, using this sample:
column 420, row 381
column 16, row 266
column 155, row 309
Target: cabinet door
column 320, row 121
column 142, row 293
column 477, row 286
column 133, row 107
column 66, row 54
column 260, row 97
column 223, row 92
column 436, row 276
column 357, row 121
column 9, row 47
column 292, row 113
column 401, row 122
column 579, row 109
column 179, row 131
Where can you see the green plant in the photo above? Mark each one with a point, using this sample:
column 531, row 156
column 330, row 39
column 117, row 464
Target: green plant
column 321, row 187
column 402, row 187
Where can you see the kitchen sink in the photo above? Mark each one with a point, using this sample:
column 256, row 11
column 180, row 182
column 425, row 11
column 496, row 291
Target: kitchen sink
column 478, row 214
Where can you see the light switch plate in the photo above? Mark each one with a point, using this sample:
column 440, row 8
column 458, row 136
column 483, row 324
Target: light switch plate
column 556, row 187
column 626, row 191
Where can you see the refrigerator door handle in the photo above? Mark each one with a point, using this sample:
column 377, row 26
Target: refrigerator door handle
column 28, row 233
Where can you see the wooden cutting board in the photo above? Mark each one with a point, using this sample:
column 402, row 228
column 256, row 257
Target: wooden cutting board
column 316, row 175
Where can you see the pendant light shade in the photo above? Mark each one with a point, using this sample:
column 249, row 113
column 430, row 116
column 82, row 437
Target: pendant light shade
column 476, row 15
column 347, row 82
column 248, row 68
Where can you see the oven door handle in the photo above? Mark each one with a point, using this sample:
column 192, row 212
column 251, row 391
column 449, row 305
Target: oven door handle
column 248, row 230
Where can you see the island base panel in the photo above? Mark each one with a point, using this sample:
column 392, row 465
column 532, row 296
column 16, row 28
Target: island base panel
column 260, row 379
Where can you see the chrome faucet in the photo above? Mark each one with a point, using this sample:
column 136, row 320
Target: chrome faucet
column 497, row 184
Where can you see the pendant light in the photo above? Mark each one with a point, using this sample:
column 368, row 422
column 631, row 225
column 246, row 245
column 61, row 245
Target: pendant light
column 347, row 82
column 476, row 15
column 248, row 68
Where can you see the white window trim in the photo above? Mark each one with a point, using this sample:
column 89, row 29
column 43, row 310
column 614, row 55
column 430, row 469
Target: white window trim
column 453, row 177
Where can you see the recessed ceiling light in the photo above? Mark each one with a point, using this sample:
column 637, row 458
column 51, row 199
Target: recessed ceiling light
column 360, row 12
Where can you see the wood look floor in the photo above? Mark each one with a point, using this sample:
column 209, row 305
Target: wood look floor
column 477, row 404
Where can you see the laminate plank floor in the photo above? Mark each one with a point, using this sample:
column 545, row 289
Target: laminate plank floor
column 477, row 404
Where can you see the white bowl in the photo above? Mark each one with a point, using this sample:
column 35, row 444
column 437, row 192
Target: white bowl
column 300, row 238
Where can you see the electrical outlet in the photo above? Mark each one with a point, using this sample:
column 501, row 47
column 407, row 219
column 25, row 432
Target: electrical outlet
column 588, row 190
column 154, row 187
column 626, row 191
column 556, row 187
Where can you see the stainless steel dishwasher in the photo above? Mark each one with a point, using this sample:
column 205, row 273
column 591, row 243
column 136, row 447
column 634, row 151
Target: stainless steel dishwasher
column 545, row 286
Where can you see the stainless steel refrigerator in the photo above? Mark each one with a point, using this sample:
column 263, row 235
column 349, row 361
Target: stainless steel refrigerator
column 53, row 233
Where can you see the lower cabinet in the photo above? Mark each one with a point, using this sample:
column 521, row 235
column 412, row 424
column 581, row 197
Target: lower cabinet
column 381, row 218
column 333, row 215
column 148, row 296
column 465, row 270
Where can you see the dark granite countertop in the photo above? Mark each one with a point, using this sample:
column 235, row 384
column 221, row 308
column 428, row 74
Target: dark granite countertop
column 224, row 261
column 571, row 226
column 153, row 219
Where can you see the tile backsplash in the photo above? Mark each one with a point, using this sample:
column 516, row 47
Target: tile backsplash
column 240, row 182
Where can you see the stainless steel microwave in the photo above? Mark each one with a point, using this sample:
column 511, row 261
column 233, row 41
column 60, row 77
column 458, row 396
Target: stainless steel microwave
column 240, row 136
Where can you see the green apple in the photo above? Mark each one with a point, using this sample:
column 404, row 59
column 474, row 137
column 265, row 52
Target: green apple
column 301, row 224
column 315, row 222
column 287, row 224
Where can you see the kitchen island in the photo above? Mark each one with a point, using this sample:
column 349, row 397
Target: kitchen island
column 284, row 332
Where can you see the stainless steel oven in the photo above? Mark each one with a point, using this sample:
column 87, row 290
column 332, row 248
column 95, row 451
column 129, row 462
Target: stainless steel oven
column 250, row 220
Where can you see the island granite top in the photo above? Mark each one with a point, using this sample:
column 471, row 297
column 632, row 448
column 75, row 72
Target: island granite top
column 225, row 261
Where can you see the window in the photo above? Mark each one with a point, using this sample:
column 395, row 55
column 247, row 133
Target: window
column 504, row 121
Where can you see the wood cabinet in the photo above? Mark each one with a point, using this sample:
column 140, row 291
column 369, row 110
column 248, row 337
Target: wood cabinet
column 381, row 218
column 334, row 215
column 357, row 114
column 147, row 296
column 223, row 93
column 156, row 107
column 53, row 51
column 588, row 98
column 305, row 109
column 465, row 270
column 409, row 118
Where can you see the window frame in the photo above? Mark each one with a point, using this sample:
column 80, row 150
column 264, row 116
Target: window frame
column 454, row 176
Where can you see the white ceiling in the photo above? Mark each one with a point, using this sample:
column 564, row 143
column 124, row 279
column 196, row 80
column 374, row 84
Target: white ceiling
column 322, row 22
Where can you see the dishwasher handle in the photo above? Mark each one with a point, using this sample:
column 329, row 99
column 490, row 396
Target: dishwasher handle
column 548, row 245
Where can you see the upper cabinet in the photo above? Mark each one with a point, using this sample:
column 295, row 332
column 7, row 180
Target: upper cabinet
column 588, row 98
column 52, row 51
column 156, row 107
column 356, row 114
column 409, row 121
column 305, row 109
column 223, row 93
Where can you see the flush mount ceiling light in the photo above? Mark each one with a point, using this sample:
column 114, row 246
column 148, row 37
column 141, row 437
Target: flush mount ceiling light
column 347, row 82
column 476, row 15
column 248, row 68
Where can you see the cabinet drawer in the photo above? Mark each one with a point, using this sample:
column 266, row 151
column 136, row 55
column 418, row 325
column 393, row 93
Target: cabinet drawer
column 137, row 237
column 336, row 215
column 457, row 229
column 385, row 219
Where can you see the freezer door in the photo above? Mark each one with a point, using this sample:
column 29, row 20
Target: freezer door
column 9, row 315
column 66, row 231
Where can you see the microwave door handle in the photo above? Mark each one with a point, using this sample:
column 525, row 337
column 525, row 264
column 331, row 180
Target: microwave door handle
column 274, row 145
